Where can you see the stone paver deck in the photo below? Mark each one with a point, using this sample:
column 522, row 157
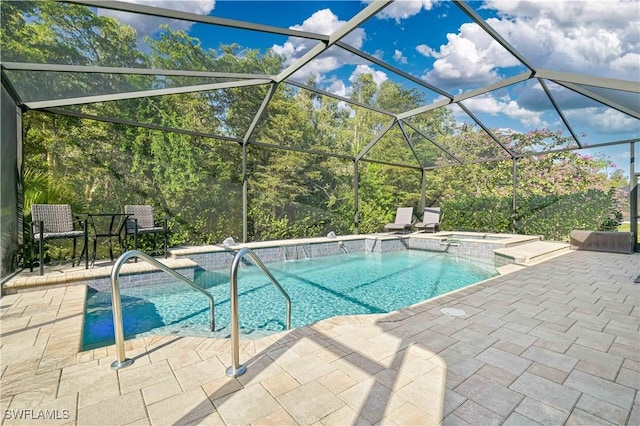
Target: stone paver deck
column 554, row 343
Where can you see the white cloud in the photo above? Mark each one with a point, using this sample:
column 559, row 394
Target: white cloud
column 404, row 9
column 399, row 57
column 378, row 76
column 597, row 38
column 470, row 57
column 337, row 87
column 425, row 50
column 148, row 25
column 493, row 106
column 588, row 37
column 606, row 120
column 324, row 22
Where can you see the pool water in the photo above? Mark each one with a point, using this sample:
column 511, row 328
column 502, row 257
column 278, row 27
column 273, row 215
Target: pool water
column 319, row 288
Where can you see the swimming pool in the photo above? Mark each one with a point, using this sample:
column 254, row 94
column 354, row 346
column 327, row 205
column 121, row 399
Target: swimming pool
column 349, row 284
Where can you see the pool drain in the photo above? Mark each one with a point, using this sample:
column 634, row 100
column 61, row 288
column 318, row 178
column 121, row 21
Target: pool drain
column 453, row 312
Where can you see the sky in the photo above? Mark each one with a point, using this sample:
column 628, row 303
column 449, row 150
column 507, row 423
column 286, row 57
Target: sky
column 436, row 42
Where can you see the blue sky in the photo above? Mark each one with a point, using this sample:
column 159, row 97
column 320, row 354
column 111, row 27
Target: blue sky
column 435, row 41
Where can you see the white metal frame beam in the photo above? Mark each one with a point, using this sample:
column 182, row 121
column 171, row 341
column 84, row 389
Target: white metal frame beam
column 194, row 17
column 143, row 94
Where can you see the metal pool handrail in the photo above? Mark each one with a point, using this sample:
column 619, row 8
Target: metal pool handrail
column 236, row 369
column 122, row 362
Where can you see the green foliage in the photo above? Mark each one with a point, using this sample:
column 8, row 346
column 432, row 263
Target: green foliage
column 552, row 216
column 482, row 214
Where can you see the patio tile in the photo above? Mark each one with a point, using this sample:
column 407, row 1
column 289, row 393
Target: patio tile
column 159, row 391
column 451, row 420
column 496, row 375
column 589, row 321
column 475, row 338
column 195, row 375
column 595, row 362
column 580, row 417
column 277, row 418
column 548, row 373
column 248, row 406
column 634, row 417
column 460, row 364
column 35, row 407
column 629, row 378
column 605, row 390
column 591, row 339
column 541, row 413
column 490, row 395
column 476, row 414
column 337, row 381
column 390, row 378
column 146, row 375
column 181, row 408
column 184, row 359
column 371, row 400
column 27, row 381
column 631, row 365
column 520, row 339
column 546, row 391
column 310, row 403
column 501, row 359
column 221, row 387
column 517, row 419
column 123, row 409
column 413, row 362
column 280, row 384
column 602, row 409
column 550, row 358
column 627, row 351
column 309, row 368
column 409, row 414
column 552, row 339
column 433, row 341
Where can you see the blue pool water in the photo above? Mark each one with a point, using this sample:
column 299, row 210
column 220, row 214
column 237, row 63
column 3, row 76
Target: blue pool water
column 356, row 283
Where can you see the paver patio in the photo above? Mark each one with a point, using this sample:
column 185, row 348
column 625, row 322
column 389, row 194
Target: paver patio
column 554, row 343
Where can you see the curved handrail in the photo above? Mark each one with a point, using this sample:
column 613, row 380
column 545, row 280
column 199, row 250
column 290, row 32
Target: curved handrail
column 122, row 362
column 236, row 369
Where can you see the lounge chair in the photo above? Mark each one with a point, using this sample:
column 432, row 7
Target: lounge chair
column 140, row 222
column 430, row 220
column 403, row 221
column 53, row 222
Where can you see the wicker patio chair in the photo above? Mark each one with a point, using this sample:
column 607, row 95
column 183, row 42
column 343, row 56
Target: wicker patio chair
column 140, row 222
column 55, row 221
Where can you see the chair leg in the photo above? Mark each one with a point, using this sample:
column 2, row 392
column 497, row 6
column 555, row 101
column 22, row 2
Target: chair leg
column 95, row 250
column 85, row 249
column 33, row 254
column 73, row 253
column 164, row 243
column 110, row 249
column 40, row 250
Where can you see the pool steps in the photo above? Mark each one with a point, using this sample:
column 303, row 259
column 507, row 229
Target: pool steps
column 118, row 326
